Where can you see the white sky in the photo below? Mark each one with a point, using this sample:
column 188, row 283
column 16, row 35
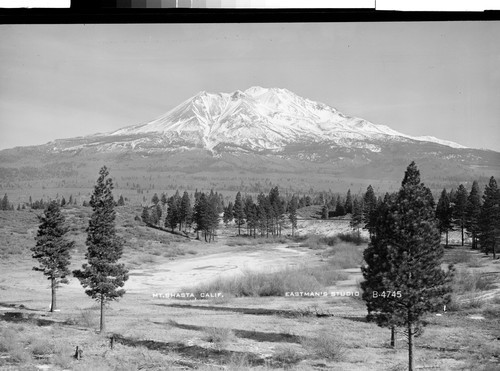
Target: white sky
column 420, row 78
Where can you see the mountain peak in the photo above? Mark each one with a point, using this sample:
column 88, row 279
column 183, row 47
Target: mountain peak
column 266, row 119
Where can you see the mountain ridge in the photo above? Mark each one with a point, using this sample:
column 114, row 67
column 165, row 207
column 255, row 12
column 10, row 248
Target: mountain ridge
column 275, row 116
column 257, row 134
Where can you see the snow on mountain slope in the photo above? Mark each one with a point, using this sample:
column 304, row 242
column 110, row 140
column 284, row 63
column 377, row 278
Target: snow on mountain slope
column 264, row 118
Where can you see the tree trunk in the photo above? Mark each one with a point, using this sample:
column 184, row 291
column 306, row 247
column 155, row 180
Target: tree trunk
column 446, row 238
column 462, row 235
column 410, row 348
column 103, row 324
column 53, row 286
column 393, row 337
column 494, row 252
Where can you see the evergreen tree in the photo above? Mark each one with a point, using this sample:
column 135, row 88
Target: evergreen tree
column 173, row 212
column 145, row 215
column 460, row 209
column 339, row 208
column 228, row 214
column 369, row 206
column 324, row 212
column 378, row 266
column 278, row 210
column 52, row 250
column 121, row 201
column 489, row 219
column 63, row 202
column 250, row 210
column 185, row 211
column 4, row 204
column 213, row 216
column 200, row 216
column 103, row 275
column 473, row 213
column 292, row 213
column 70, row 201
column 238, row 212
column 163, row 199
column 412, row 272
column 357, row 216
column 348, row 205
column 155, row 199
column 444, row 214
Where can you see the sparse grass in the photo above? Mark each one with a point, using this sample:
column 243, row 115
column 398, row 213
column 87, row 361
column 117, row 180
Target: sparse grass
column 86, row 318
column 219, row 335
column 466, row 281
column 251, row 241
column 42, row 347
column 287, row 355
column 326, row 345
column 12, row 344
column 467, row 289
column 173, row 251
column 463, row 256
column 345, row 255
column 352, row 237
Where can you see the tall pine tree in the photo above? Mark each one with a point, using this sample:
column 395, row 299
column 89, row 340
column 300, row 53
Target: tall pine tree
column 52, row 249
column 444, row 214
column 348, row 205
column 489, row 218
column 238, row 212
column 103, row 276
column 473, row 213
column 292, row 213
column 412, row 275
column 369, row 205
column 459, row 214
column 357, row 216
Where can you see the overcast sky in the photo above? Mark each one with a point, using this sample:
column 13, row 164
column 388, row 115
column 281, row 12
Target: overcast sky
column 419, row 78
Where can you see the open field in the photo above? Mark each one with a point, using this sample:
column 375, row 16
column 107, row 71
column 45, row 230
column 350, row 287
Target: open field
column 246, row 319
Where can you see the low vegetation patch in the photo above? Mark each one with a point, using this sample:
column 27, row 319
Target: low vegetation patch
column 287, row 355
column 463, row 256
column 467, row 281
column 345, row 255
column 219, row 335
column 252, row 283
column 325, row 346
column 352, row 237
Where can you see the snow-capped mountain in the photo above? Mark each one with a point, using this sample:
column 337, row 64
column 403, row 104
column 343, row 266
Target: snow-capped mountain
column 267, row 133
column 262, row 119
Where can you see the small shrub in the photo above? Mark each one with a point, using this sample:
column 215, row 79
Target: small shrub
column 468, row 281
column 86, row 318
column 287, row 355
column 462, row 256
column 352, row 237
column 219, row 335
column 42, row 348
column 345, row 255
column 325, row 346
column 8, row 339
column 19, row 355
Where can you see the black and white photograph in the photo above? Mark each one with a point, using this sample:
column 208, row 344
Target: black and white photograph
column 250, row 196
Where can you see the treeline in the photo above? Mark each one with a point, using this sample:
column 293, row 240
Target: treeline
column 473, row 214
column 265, row 216
column 42, row 204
